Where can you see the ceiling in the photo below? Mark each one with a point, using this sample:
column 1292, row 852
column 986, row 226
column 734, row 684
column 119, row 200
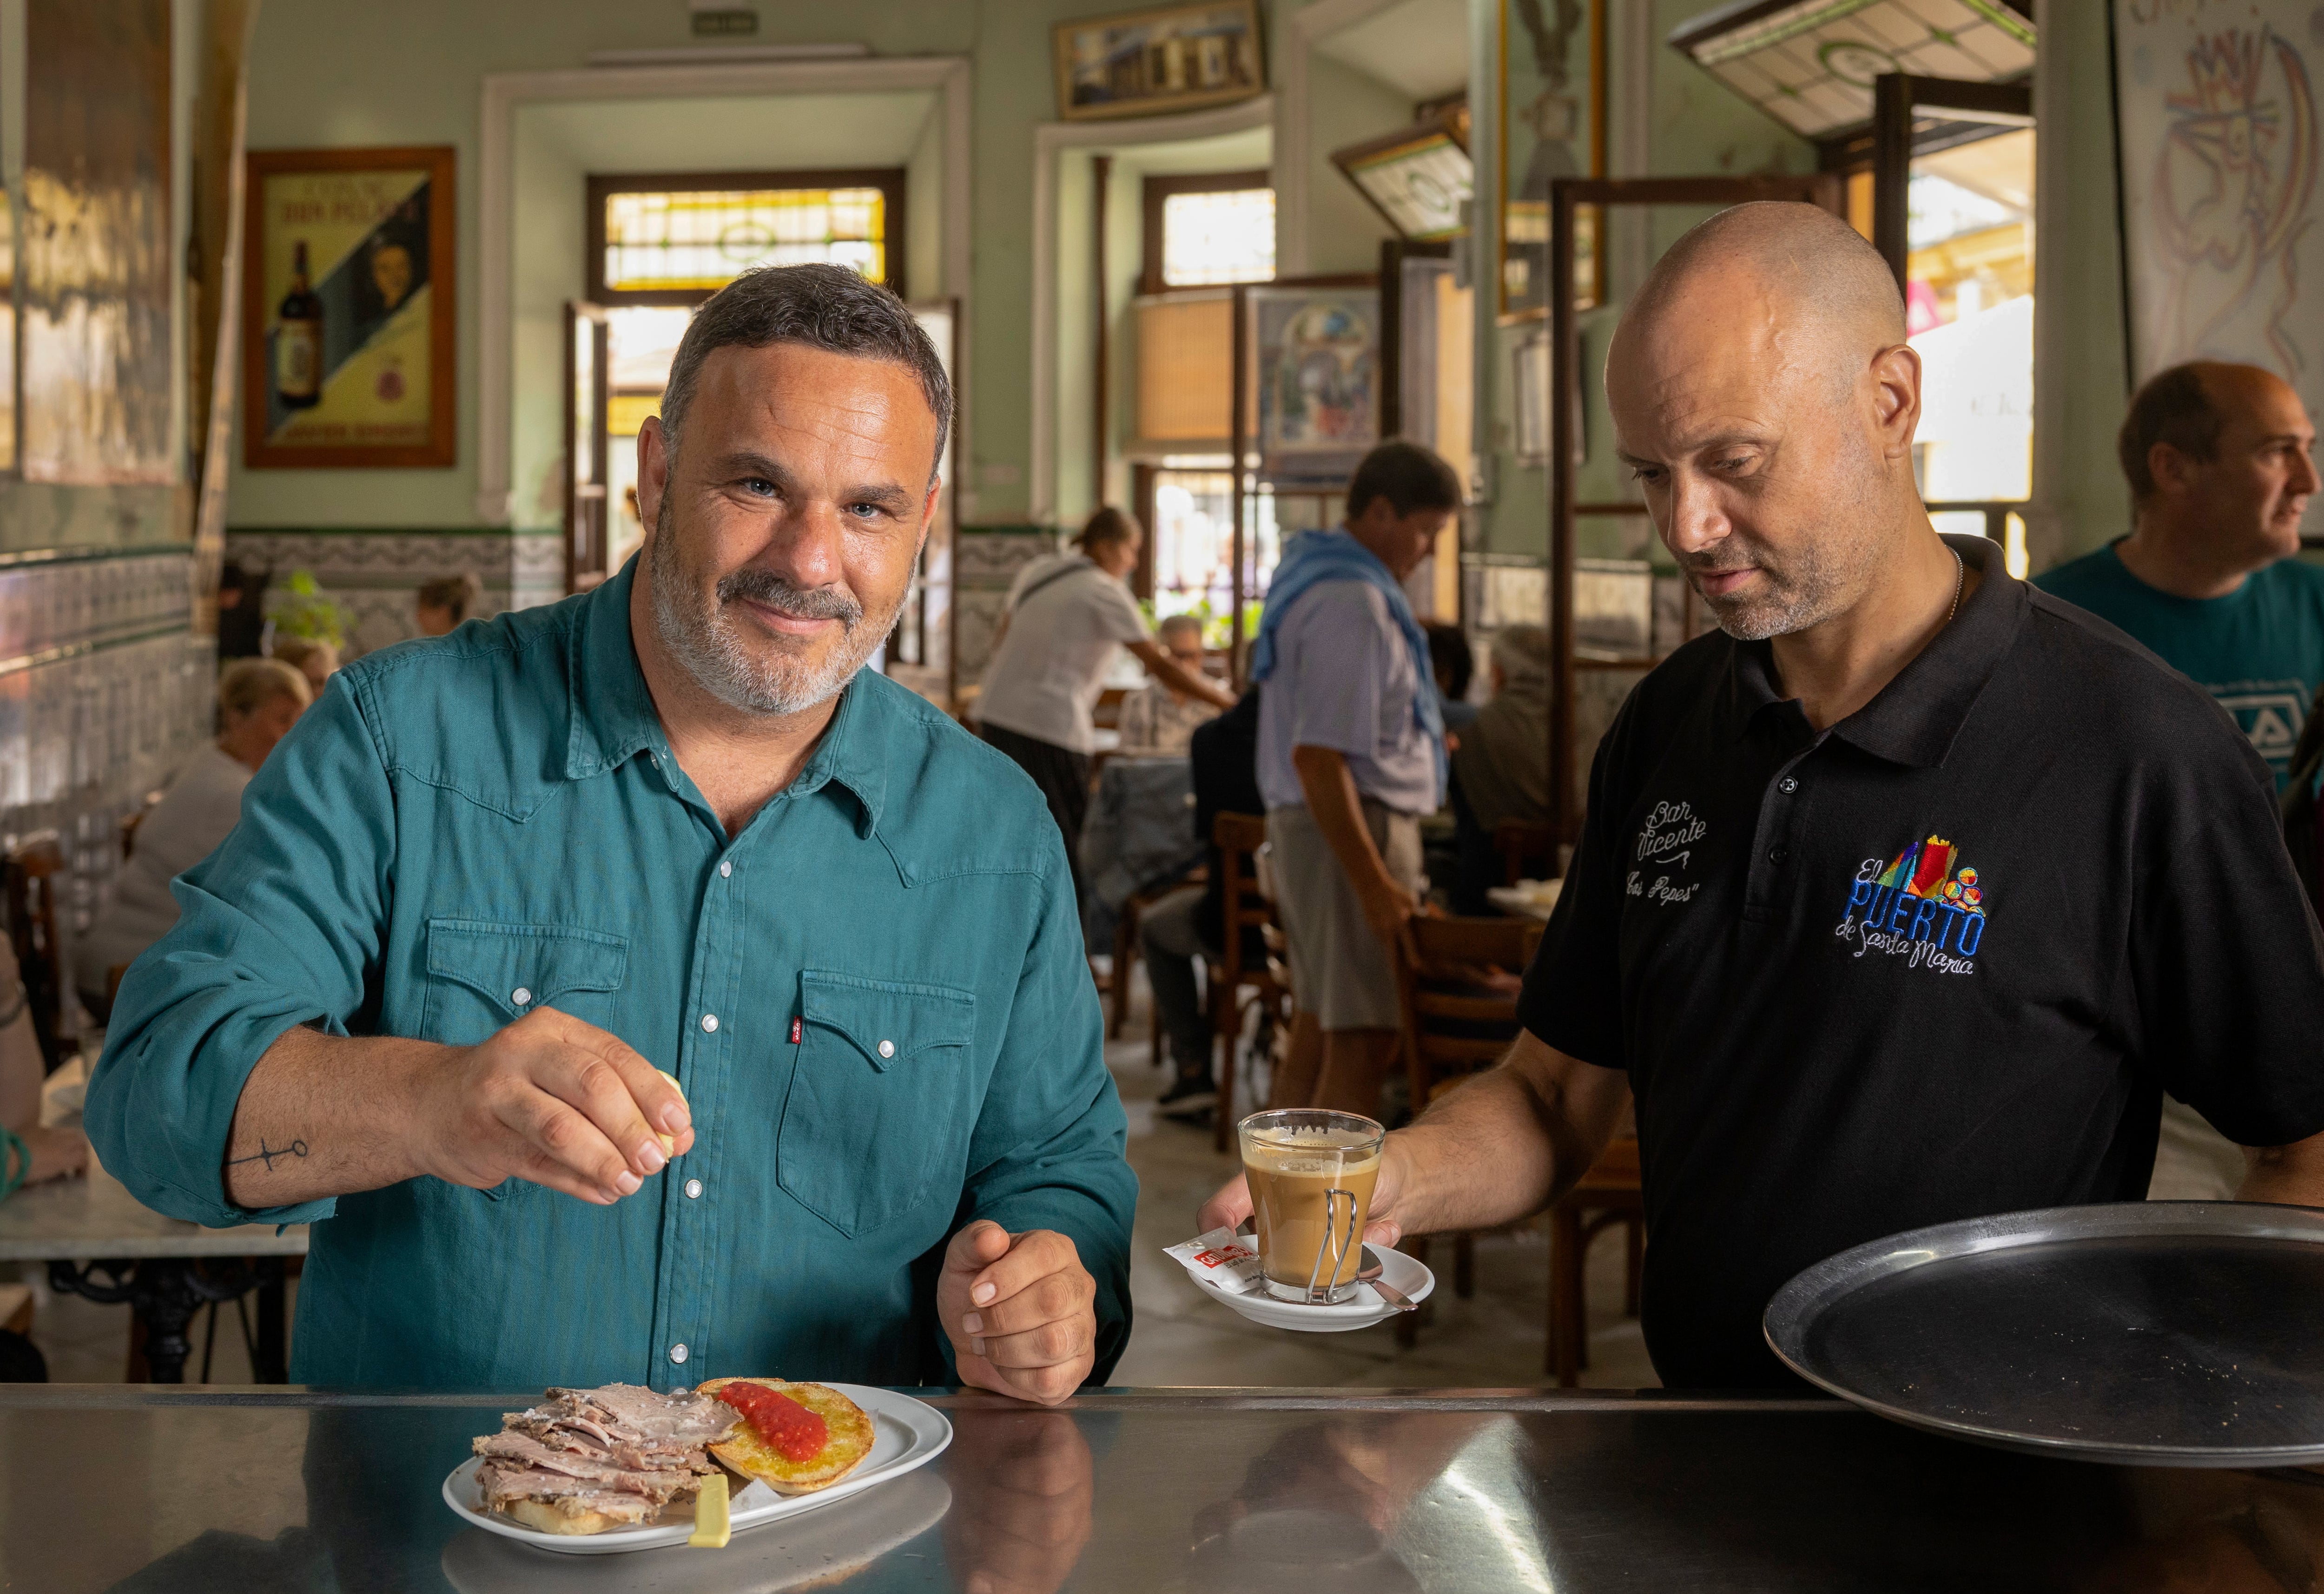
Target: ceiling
column 1810, row 64
column 1420, row 48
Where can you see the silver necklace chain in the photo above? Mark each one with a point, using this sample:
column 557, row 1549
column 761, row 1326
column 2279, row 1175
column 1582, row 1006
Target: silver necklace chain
column 1960, row 578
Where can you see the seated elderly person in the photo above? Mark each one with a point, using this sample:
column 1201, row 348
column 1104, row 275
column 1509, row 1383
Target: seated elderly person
column 1158, row 717
column 1500, row 769
column 638, row 988
column 259, row 700
column 314, row 659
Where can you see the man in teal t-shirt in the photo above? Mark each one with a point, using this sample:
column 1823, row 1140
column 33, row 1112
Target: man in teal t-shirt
column 2220, row 476
column 2218, row 458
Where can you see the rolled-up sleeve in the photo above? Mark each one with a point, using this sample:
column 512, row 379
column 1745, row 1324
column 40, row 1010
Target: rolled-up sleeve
column 281, row 925
column 1048, row 1152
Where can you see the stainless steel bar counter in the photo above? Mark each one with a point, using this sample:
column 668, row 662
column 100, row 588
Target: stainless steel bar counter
column 1311, row 1491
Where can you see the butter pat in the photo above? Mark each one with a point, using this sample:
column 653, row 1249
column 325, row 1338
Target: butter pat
column 670, row 1142
column 711, row 1527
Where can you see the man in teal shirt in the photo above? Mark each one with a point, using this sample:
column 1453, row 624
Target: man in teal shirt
column 2218, row 458
column 419, row 997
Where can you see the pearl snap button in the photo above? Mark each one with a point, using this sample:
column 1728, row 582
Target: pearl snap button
column 710, row 1023
column 887, row 1048
column 677, row 1354
column 725, row 868
column 520, row 995
column 693, row 1190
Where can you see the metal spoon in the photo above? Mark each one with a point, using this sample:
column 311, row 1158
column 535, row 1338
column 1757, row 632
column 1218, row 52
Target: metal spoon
column 1370, row 1275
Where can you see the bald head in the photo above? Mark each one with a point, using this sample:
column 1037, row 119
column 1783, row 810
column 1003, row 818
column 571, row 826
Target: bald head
column 1798, row 261
column 1764, row 395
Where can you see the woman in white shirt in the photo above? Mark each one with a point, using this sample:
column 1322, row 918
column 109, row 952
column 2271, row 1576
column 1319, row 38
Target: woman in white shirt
column 259, row 700
column 1065, row 618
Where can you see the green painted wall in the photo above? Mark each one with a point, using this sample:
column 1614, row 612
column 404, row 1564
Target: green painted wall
column 411, row 74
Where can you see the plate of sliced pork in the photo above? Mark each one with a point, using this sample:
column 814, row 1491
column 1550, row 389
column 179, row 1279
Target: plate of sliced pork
column 618, row 1467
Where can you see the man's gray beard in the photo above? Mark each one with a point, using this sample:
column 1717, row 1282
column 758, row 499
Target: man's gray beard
column 1809, row 588
column 705, row 642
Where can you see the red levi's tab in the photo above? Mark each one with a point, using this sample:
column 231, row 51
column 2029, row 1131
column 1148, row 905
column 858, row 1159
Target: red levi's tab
column 795, row 1031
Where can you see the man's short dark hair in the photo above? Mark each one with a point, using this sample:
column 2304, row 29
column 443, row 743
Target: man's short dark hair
column 1409, row 476
column 2172, row 408
column 822, row 307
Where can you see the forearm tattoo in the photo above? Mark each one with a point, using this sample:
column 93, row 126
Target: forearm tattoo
column 268, row 1155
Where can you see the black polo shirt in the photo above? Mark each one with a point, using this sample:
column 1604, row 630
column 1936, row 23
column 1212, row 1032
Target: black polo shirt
column 1936, row 962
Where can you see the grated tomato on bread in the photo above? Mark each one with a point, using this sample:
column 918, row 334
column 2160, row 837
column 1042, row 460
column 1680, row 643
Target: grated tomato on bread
column 754, row 1454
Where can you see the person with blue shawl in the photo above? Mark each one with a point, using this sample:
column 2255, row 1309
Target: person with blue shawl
column 1350, row 758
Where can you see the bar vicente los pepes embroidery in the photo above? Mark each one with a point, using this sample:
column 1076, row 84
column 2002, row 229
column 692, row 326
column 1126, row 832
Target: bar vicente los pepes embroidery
column 1667, row 842
column 1924, row 905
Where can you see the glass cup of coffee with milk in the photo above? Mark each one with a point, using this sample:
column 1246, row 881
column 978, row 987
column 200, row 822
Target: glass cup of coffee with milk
column 1311, row 1173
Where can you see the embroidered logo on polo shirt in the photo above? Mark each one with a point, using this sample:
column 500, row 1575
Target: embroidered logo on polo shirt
column 1924, row 905
column 1667, row 843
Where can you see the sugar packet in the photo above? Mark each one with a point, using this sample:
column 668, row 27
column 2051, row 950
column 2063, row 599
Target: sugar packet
column 1223, row 1259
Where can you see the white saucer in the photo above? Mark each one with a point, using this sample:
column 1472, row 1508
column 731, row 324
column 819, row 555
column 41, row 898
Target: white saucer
column 1398, row 1271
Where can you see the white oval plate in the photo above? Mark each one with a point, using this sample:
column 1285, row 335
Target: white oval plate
column 1398, row 1271
column 905, row 1434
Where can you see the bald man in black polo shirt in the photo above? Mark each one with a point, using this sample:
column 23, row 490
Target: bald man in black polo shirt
column 1901, row 899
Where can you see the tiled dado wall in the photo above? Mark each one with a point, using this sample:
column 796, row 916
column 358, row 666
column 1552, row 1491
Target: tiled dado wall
column 102, row 693
column 374, row 573
column 985, row 560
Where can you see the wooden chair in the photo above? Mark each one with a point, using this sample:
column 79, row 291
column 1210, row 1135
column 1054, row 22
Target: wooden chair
column 1125, row 953
column 1454, row 1027
column 1245, row 957
column 1528, row 851
column 1608, row 1195
column 31, row 877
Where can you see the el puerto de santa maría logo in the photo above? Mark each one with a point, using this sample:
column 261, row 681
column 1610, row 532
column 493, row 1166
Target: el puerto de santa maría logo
column 1924, row 905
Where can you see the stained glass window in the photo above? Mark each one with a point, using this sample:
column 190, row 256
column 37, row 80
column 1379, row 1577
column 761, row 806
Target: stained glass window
column 699, row 241
column 1226, row 236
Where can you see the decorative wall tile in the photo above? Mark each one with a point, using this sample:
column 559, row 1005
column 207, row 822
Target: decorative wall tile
column 103, row 693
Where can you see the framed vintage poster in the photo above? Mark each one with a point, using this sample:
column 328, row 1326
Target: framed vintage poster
column 2218, row 140
column 349, row 359
column 1173, row 58
column 1553, row 124
column 1315, row 366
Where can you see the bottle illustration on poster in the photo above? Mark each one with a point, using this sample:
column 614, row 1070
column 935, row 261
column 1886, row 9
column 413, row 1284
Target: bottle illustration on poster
column 299, row 340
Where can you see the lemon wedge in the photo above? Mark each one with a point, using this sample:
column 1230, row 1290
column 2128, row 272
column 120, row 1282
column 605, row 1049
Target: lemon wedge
column 711, row 1527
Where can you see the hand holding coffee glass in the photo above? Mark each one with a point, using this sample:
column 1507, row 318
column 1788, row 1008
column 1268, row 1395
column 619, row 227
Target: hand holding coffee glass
column 1311, row 1173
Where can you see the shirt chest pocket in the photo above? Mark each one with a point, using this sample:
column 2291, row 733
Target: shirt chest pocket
column 879, row 1103
column 483, row 977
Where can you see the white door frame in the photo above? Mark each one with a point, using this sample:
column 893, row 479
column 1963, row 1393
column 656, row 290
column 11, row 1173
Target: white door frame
column 1051, row 140
column 504, row 92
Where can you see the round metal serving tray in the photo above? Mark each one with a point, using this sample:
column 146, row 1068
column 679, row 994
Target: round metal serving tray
column 2159, row 1333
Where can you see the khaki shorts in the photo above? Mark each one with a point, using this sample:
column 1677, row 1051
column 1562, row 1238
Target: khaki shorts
column 1341, row 971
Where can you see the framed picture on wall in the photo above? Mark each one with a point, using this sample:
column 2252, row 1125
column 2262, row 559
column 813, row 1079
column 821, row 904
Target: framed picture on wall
column 1553, row 124
column 1173, row 58
column 349, row 357
column 2222, row 258
column 1316, row 370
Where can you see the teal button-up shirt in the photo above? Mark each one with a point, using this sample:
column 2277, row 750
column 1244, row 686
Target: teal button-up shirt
column 875, row 998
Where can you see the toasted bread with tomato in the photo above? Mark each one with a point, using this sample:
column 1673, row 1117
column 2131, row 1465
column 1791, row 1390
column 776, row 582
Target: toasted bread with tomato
column 749, row 1453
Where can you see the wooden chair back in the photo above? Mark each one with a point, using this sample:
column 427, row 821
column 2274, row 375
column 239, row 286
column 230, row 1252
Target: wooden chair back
column 1528, row 850
column 1244, row 959
column 1444, row 1007
column 32, row 876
